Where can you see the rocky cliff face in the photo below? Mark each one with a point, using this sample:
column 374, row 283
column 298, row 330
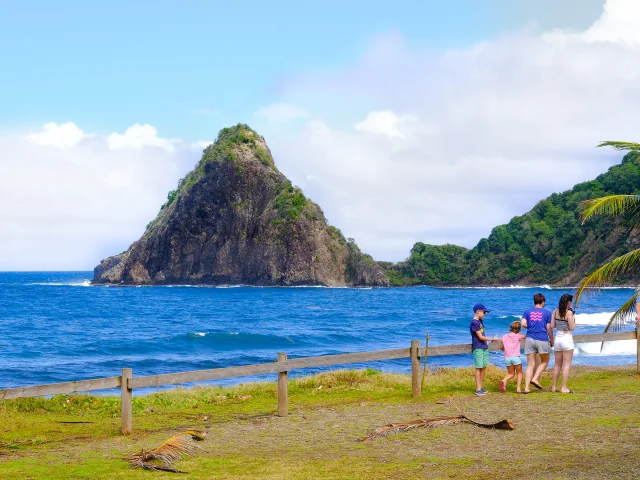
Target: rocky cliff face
column 235, row 219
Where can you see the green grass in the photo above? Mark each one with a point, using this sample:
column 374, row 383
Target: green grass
column 591, row 434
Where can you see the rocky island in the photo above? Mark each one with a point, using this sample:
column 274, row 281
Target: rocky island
column 235, row 219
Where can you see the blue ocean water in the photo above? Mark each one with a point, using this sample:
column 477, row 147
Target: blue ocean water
column 55, row 327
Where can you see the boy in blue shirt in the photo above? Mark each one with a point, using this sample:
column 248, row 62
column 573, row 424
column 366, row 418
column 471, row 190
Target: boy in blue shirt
column 537, row 321
column 479, row 346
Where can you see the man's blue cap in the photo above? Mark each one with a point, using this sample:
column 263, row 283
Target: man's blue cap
column 480, row 306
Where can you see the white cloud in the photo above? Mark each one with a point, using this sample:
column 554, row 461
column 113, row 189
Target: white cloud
column 69, row 199
column 384, row 122
column 620, row 23
column 463, row 140
column 139, row 136
column 64, row 135
column 281, row 112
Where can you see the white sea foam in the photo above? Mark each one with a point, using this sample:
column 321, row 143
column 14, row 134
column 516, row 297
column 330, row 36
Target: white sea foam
column 83, row 283
column 510, row 287
column 200, row 334
column 601, row 318
column 619, row 347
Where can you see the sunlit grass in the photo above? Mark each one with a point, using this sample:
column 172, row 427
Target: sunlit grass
column 49, row 438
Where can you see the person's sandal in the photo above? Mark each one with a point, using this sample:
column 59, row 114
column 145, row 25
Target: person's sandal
column 537, row 385
column 502, row 387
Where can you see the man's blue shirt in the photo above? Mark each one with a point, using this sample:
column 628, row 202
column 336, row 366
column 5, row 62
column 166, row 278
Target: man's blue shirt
column 537, row 321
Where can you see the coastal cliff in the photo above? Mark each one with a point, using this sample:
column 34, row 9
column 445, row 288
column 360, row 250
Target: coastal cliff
column 547, row 245
column 235, row 219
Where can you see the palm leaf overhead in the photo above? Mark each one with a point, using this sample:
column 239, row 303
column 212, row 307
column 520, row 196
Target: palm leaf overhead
column 609, row 205
column 178, row 446
column 624, row 314
column 609, row 271
column 621, row 145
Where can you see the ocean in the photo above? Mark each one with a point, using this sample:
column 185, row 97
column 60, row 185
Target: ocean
column 56, row 327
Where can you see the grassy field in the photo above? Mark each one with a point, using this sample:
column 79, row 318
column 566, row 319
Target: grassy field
column 594, row 433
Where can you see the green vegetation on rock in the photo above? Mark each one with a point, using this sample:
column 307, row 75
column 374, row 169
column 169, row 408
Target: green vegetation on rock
column 290, row 202
column 336, row 234
column 230, row 139
column 546, row 245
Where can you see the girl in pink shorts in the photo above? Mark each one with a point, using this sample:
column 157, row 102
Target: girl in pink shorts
column 510, row 343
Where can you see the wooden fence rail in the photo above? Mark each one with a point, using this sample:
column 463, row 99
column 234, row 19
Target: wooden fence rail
column 127, row 382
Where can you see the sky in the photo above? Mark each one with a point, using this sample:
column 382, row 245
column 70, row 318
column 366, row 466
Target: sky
column 406, row 121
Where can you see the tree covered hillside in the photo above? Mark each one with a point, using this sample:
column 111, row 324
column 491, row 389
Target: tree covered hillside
column 547, row 245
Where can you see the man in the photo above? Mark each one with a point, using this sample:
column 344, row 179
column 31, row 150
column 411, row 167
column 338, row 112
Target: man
column 537, row 321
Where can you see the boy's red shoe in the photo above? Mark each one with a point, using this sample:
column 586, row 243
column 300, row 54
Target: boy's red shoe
column 502, row 387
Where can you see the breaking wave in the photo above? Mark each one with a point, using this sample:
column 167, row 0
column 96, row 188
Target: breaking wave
column 620, row 347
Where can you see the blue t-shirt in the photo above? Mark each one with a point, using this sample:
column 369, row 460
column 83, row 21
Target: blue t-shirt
column 537, row 321
column 477, row 326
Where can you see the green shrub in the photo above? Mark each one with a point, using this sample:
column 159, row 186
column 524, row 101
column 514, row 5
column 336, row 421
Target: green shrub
column 290, row 202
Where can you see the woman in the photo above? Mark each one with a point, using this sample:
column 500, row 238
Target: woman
column 563, row 320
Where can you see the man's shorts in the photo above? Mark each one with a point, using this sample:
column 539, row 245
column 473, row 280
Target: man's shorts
column 508, row 361
column 481, row 357
column 536, row 346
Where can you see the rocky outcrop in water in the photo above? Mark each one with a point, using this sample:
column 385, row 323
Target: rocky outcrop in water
column 235, row 219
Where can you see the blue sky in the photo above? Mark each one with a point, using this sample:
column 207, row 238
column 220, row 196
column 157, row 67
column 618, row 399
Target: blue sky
column 405, row 121
column 192, row 67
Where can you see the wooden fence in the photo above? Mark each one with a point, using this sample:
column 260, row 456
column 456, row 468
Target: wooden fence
column 127, row 382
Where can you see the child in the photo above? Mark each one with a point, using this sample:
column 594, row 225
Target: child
column 510, row 343
column 479, row 346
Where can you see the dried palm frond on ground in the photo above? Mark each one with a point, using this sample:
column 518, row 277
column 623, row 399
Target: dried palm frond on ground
column 162, row 458
column 431, row 423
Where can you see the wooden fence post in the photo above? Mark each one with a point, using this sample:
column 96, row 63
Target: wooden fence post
column 426, row 356
column 638, row 347
column 283, row 394
column 415, row 368
column 126, row 398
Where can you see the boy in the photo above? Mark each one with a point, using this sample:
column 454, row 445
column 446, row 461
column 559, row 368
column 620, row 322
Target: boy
column 479, row 346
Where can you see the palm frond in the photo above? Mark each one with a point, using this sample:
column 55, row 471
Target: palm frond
column 609, row 271
column 625, row 314
column 174, row 449
column 138, row 462
column 621, row 145
column 609, row 205
column 403, row 427
column 431, row 423
column 622, row 316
